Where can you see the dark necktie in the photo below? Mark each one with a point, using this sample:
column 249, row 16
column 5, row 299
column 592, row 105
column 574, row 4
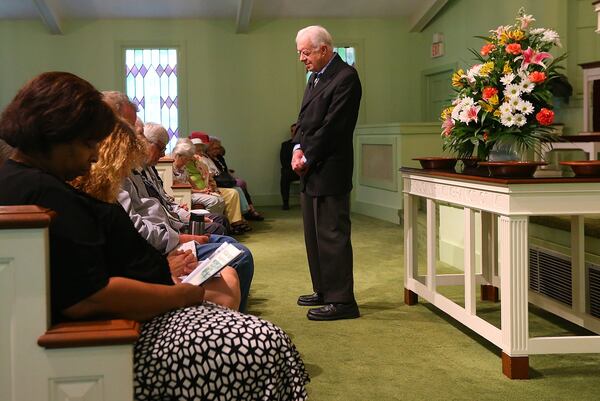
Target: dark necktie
column 311, row 80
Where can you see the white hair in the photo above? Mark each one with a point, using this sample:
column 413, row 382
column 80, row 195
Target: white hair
column 183, row 148
column 156, row 133
column 317, row 34
column 117, row 100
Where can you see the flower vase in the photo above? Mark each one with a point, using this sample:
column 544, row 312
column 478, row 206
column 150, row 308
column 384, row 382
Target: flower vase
column 502, row 152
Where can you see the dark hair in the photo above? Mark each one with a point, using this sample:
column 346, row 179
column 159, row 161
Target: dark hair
column 54, row 108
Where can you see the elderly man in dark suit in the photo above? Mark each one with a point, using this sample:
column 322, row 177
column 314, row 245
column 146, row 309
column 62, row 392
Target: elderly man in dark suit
column 323, row 157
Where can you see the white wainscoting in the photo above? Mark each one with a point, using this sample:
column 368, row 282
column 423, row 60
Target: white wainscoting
column 379, row 152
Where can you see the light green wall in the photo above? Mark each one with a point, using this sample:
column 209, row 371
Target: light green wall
column 245, row 88
column 461, row 20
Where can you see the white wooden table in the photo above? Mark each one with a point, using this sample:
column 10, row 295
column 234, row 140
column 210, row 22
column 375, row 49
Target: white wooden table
column 588, row 142
column 505, row 207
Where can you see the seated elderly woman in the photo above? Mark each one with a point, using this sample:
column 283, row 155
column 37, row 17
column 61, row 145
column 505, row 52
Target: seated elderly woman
column 157, row 138
column 100, row 266
column 110, row 180
column 183, row 155
column 216, row 152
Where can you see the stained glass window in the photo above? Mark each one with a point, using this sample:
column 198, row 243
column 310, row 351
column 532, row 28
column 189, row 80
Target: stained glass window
column 347, row 53
column 151, row 83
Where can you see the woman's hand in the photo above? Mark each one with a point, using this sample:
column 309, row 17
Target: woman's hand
column 181, row 263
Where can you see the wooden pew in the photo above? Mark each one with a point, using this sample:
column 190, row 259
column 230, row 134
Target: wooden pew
column 70, row 361
column 181, row 192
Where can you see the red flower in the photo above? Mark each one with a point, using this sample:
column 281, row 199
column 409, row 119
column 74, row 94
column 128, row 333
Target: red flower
column 488, row 92
column 537, row 77
column 487, row 49
column 485, row 136
column 513, row 48
column 545, row 116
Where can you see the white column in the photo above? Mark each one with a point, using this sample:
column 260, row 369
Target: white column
column 514, row 283
column 469, row 257
column 410, row 237
column 578, row 277
column 431, row 244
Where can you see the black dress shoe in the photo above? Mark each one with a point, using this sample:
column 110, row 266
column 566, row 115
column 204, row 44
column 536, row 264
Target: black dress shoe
column 334, row 312
column 313, row 299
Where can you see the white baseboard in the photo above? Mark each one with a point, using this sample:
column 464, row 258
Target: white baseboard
column 454, row 255
column 379, row 212
column 273, row 200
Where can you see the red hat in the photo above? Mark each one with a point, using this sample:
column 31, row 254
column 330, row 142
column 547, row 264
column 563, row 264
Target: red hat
column 199, row 137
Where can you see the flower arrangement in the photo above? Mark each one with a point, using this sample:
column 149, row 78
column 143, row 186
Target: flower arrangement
column 505, row 100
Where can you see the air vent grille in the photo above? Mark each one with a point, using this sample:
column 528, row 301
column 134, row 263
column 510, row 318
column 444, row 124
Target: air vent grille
column 550, row 275
column 594, row 289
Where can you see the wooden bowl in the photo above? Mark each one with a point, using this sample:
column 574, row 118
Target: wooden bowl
column 512, row 169
column 584, row 168
column 437, row 163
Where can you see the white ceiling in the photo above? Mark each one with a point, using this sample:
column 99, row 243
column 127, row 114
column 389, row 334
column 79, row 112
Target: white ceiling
column 27, row 9
column 53, row 12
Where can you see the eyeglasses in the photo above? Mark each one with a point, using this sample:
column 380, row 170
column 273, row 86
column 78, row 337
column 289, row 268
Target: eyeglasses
column 305, row 52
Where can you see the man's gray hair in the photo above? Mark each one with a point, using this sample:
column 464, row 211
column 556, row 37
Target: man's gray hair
column 184, row 148
column 317, row 34
column 156, row 133
column 117, row 100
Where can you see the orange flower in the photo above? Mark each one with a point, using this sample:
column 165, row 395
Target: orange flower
column 545, row 116
column 513, row 48
column 537, row 77
column 488, row 92
column 485, row 136
column 487, row 49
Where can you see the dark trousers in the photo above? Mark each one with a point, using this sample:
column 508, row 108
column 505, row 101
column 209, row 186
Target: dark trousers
column 287, row 177
column 328, row 246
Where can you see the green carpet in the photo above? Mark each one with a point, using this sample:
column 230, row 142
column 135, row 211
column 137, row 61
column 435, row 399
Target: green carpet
column 397, row 352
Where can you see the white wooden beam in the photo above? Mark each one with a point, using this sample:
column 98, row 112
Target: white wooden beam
column 423, row 16
column 49, row 15
column 242, row 23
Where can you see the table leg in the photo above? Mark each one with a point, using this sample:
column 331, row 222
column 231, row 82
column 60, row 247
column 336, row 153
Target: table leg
column 410, row 246
column 513, row 251
column 489, row 258
column 469, row 261
column 410, row 298
column 431, row 245
column 578, row 276
column 515, row 367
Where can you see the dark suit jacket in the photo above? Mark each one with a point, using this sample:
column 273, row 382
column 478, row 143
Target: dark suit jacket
column 325, row 127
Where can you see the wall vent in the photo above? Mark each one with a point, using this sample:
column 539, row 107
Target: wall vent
column 594, row 289
column 550, row 275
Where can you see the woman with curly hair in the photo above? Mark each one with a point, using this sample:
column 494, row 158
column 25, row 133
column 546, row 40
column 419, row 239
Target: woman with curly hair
column 189, row 348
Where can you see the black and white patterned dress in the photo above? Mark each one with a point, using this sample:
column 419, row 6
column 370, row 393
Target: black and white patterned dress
column 213, row 353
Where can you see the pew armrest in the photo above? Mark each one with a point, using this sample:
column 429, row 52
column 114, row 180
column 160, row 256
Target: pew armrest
column 182, row 194
column 90, row 334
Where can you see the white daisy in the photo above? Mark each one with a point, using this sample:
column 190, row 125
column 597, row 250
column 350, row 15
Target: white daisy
column 519, row 120
column 525, row 107
column 505, row 108
column 507, row 79
column 514, row 102
column 526, row 86
column 512, row 90
column 508, row 120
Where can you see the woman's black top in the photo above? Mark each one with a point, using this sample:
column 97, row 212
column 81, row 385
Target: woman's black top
column 90, row 240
